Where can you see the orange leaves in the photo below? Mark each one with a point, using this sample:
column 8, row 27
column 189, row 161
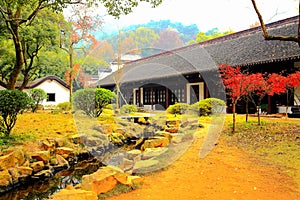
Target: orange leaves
column 71, row 74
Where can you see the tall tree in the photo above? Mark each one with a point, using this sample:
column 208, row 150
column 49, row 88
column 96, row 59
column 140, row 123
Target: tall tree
column 14, row 18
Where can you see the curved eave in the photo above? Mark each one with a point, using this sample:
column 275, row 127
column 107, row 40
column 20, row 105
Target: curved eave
column 51, row 78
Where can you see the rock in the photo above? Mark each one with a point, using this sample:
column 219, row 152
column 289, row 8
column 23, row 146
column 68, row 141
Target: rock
column 76, row 139
column 64, row 151
column 134, row 179
column 145, row 166
column 43, row 174
column 13, row 159
column 127, row 164
column 5, row 178
column 74, row 194
column 116, row 138
column 19, row 157
column 163, row 134
column 60, row 142
column 133, row 154
column 173, row 123
column 7, row 161
column 37, row 166
column 155, row 142
column 120, row 131
column 14, row 174
column 48, row 145
column 24, row 172
column 61, row 161
column 172, row 129
column 101, row 181
column 153, row 152
column 122, row 178
column 53, row 161
column 42, row 156
column 26, row 164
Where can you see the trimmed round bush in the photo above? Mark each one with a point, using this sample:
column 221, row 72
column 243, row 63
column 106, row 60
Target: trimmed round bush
column 127, row 109
column 37, row 95
column 178, row 108
column 209, row 106
column 12, row 102
column 92, row 101
column 64, row 106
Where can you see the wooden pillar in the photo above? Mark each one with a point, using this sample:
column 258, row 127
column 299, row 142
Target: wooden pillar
column 206, row 92
column 151, row 97
column 167, row 98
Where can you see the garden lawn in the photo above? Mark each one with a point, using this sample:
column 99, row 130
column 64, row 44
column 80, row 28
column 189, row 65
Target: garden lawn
column 257, row 162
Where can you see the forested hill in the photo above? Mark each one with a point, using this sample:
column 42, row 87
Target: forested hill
column 187, row 32
column 150, row 38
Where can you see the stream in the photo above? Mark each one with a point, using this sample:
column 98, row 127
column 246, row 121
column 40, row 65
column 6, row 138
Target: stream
column 43, row 189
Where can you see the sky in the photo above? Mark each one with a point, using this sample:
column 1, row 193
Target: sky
column 236, row 15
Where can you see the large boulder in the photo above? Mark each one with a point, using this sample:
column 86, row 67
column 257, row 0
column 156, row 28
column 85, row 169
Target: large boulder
column 145, row 166
column 7, row 161
column 74, row 194
column 5, row 178
column 134, row 155
column 64, row 151
column 153, row 152
column 155, row 142
column 101, row 181
column 13, row 159
column 37, row 166
column 24, row 172
column 42, row 156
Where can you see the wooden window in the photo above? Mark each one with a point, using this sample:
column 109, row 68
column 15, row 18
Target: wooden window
column 51, row 97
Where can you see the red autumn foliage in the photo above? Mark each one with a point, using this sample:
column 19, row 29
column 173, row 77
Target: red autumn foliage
column 71, row 74
column 278, row 84
column 233, row 80
column 294, row 79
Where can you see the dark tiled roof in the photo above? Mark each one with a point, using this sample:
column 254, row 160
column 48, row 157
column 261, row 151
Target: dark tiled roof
column 243, row 48
column 39, row 81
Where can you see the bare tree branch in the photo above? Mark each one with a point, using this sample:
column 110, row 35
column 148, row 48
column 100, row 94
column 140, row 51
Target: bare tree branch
column 271, row 37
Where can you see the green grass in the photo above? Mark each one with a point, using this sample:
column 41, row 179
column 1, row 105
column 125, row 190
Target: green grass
column 276, row 141
column 12, row 140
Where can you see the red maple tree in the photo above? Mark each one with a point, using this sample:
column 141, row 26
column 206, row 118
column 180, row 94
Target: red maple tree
column 234, row 83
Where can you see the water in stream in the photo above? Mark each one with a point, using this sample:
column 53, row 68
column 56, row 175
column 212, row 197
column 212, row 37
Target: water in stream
column 43, row 189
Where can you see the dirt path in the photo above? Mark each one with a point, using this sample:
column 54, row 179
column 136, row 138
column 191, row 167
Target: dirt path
column 226, row 173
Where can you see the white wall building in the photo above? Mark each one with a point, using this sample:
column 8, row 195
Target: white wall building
column 57, row 90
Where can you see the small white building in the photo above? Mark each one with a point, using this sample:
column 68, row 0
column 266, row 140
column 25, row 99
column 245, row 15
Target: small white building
column 57, row 90
column 114, row 65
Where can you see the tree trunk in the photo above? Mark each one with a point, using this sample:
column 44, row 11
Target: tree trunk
column 233, row 117
column 71, row 74
column 258, row 115
column 287, row 104
column 247, row 109
column 11, row 85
